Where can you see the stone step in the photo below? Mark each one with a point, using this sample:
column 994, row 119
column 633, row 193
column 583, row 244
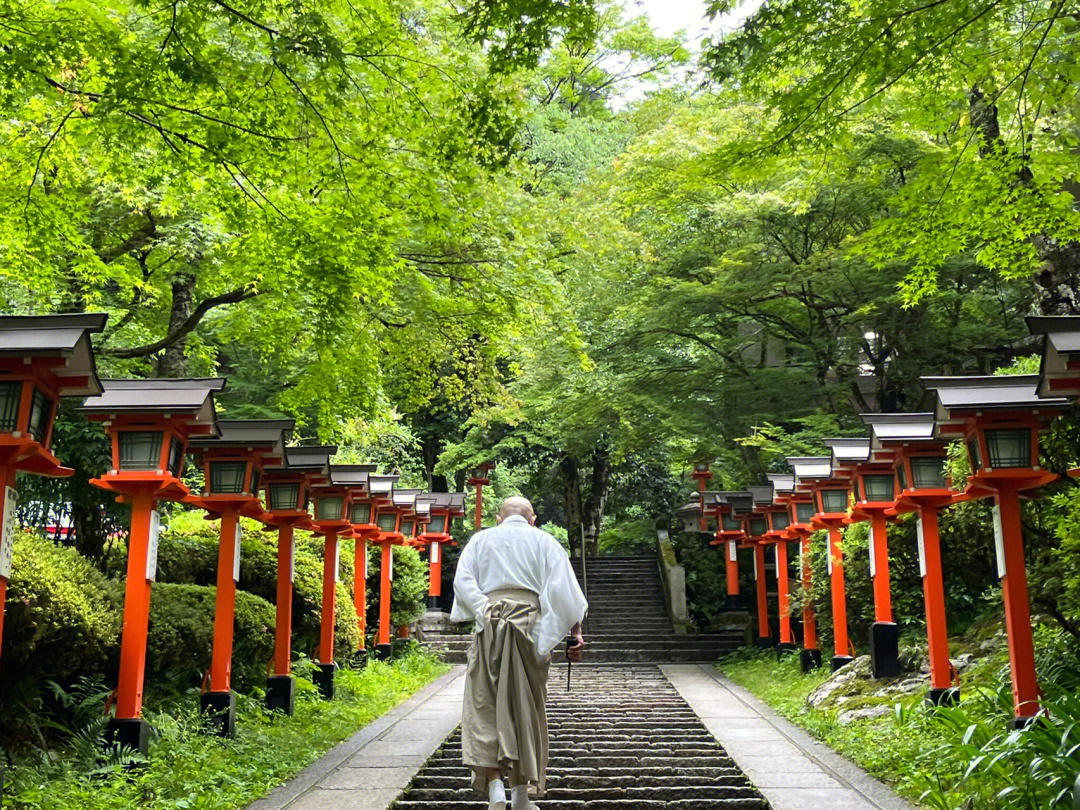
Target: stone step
column 623, row 739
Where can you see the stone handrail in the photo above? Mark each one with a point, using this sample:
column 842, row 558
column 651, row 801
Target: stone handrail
column 673, row 578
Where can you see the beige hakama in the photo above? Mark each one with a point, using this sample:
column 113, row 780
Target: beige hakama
column 504, row 721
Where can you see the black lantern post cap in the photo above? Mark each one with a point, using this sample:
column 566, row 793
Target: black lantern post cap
column 267, row 435
column 783, row 484
column 351, row 475
column 810, row 469
column 762, row 494
column 742, row 503
column 313, row 458
column 847, row 452
column 888, row 429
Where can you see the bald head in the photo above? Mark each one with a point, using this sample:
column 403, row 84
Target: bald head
column 519, row 506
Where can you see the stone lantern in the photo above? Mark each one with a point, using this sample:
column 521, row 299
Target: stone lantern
column 287, row 489
column 149, row 423
column 42, row 358
column 999, row 420
column 830, row 497
column 873, row 490
column 918, row 459
column 233, row 464
column 478, row 477
column 690, row 516
column 443, row 509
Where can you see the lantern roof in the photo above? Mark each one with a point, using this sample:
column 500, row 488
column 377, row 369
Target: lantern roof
column 849, row 451
column 685, row 511
column 810, row 468
column 312, row 458
column 194, row 397
column 742, row 503
column 421, row 506
column 351, row 475
column 893, row 428
column 782, row 483
column 382, row 484
column 762, row 494
column 261, row 433
column 1060, row 349
column 987, row 393
column 65, row 336
column 405, row 498
column 452, row 502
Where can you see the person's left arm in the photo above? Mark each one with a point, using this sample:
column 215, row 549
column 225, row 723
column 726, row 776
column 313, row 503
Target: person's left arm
column 562, row 604
column 470, row 601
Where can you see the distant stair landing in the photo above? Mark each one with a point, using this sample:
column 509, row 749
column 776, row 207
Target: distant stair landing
column 628, row 621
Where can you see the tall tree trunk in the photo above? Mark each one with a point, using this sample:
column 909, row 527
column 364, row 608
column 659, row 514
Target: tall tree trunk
column 568, row 468
column 430, row 449
column 172, row 362
column 598, row 493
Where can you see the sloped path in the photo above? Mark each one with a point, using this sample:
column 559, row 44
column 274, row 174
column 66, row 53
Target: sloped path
column 792, row 769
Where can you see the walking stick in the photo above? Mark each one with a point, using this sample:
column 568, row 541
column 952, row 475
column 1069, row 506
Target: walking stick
column 570, row 642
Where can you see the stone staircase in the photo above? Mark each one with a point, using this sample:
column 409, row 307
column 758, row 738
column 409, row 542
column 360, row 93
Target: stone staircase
column 622, row 739
column 627, row 623
column 628, row 619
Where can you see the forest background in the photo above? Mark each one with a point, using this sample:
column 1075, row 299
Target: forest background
column 438, row 234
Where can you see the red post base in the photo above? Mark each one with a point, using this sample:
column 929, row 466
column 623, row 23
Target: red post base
column 360, row 589
column 783, row 605
column 283, row 625
column 762, row 598
column 879, row 550
column 129, row 696
column 329, row 599
column 1017, row 607
column 937, row 634
column 387, row 560
column 224, row 607
column 841, row 642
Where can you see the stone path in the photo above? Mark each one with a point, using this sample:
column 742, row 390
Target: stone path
column 370, row 769
column 793, row 770
column 623, row 739
column 638, row 737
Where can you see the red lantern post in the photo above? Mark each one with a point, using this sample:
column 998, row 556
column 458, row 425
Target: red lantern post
column 702, row 474
column 831, row 500
column 42, row 358
column 149, row 423
column 999, row 419
column 872, row 483
column 1059, row 369
column 387, row 518
column 801, row 512
column 729, row 533
column 479, row 479
column 779, row 522
column 362, row 521
column 443, row 508
column 918, row 459
column 288, row 492
column 232, row 473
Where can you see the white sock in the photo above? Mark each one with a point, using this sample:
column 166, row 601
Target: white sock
column 519, row 798
column 496, row 795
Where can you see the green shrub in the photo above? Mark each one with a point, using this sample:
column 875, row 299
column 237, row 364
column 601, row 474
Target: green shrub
column 408, row 590
column 63, row 615
column 629, row 538
column 182, row 635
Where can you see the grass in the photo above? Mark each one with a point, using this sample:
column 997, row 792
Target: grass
column 187, row 770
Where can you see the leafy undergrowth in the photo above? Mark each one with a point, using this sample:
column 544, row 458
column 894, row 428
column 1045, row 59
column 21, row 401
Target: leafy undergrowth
column 961, row 758
column 188, row 769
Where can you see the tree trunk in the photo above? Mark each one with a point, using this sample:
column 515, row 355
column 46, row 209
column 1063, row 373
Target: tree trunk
column 598, row 493
column 172, row 362
column 430, row 449
column 568, row 468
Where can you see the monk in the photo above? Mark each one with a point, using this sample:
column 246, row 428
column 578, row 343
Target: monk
column 517, row 584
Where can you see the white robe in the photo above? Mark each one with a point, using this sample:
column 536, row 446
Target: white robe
column 517, row 555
